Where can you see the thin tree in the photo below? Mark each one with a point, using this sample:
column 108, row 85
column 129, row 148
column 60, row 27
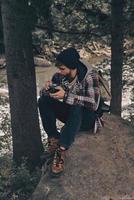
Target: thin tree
column 21, row 82
column 117, row 55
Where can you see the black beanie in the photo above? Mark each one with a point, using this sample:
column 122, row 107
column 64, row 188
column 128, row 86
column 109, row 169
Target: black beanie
column 69, row 57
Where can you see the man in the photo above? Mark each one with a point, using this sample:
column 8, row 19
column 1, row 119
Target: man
column 74, row 103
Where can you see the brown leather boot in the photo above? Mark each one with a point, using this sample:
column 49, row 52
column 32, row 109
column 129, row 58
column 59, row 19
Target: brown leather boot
column 52, row 145
column 58, row 161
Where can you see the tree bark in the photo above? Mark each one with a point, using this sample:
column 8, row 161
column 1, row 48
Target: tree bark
column 21, row 82
column 117, row 56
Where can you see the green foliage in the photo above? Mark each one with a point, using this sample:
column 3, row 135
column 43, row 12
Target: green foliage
column 16, row 183
column 22, row 181
column 4, row 175
column 76, row 16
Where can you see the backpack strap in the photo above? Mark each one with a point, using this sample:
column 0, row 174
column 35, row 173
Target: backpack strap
column 104, row 85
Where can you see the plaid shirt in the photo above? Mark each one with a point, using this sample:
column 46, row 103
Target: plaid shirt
column 85, row 92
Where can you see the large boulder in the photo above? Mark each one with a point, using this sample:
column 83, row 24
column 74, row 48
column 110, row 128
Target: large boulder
column 98, row 167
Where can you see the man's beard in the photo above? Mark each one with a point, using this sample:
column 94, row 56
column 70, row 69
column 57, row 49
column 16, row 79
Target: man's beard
column 69, row 77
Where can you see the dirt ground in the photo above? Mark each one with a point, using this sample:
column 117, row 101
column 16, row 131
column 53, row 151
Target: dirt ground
column 98, row 167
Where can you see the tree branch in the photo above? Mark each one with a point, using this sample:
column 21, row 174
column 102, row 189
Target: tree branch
column 70, row 32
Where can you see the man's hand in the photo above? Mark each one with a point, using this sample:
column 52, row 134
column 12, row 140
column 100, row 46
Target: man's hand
column 47, row 84
column 58, row 95
column 45, row 88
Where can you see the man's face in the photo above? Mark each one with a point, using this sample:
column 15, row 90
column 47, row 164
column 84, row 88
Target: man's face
column 63, row 70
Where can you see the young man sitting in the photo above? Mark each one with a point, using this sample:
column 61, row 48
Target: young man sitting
column 73, row 100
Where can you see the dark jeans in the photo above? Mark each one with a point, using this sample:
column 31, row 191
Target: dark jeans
column 75, row 118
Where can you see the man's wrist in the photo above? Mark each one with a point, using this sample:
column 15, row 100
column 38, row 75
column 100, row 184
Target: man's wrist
column 65, row 95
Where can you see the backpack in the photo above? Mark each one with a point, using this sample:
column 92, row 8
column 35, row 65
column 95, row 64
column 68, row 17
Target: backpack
column 105, row 93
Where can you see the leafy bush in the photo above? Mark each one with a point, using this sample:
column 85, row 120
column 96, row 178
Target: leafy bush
column 16, row 183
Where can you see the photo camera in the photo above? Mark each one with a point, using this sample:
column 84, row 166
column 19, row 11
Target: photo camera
column 52, row 88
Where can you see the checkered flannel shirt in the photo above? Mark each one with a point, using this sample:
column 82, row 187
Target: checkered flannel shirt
column 85, row 93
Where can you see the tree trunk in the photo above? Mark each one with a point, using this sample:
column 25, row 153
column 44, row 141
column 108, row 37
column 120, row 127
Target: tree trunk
column 117, row 56
column 21, row 82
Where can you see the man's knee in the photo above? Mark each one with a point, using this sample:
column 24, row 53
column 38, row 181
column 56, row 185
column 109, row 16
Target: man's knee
column 75, row 110
column 43, row 100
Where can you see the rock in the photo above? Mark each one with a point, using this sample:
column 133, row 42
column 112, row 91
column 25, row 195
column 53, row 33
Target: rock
column 84, row 54
column 41, row 62
column 98, row 167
